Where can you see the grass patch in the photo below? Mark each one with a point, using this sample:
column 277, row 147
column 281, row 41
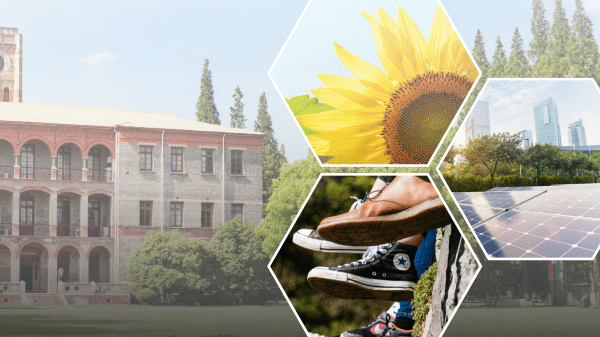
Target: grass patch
column 422, row 300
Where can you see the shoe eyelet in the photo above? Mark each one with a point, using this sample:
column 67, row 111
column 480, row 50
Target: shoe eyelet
column 364, row 262
column 383, row 274
column 378, row 256
column 389, row 245
column 374, row 273
column 384, row 251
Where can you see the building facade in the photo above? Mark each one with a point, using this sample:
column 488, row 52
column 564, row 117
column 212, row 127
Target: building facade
column 547, row 126
column 11, row 65
column 577, row 134
column 526, row 138
column 478, row 122
column 81, row 187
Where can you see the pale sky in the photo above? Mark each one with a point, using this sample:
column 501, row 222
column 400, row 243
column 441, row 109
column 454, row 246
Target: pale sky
column 148, row 55
column 511, row 105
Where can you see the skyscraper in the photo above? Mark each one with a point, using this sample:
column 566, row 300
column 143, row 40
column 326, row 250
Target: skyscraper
column 547, row 126
column 478, row 123
column 577, row 134
column 526, row 138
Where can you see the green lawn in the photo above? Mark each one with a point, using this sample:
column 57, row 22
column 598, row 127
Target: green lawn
column 276, row 320
column 545, row 321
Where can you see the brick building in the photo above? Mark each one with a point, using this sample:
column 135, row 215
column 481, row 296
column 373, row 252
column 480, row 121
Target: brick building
column 80, row 187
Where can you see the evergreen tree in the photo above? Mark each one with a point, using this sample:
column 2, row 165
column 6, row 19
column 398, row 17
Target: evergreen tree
column 273, row 159
column 482, row 62
column 582, row 51
column 517, row 64
column 554, row 62
column 540, row 29
column 206, row 109
column 499, row 62
column 237, row 111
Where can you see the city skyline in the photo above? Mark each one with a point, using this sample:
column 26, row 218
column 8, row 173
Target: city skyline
column 577, row 134
column 547, row 123
column 512, row 105
column 478, row 122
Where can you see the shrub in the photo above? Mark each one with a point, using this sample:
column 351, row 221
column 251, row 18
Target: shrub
column 422, row 300
column 473, row 183
column 147, row 296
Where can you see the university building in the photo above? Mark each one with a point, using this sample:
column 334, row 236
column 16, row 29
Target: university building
column 80, row 188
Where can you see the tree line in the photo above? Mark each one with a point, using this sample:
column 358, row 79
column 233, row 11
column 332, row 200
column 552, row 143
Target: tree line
column 501, row 153
column 273, row 154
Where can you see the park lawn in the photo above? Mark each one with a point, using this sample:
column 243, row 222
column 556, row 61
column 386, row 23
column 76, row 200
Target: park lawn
column 276, row 320
column 536, row 321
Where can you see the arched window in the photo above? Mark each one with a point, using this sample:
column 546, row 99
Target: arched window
column 5, row 94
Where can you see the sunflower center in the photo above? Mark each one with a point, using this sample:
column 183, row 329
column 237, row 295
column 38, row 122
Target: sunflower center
column 419, row 113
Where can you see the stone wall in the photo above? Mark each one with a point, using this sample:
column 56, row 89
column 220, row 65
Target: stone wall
column 457, row 267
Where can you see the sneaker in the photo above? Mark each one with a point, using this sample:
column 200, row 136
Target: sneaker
column 398, row 333
column 385, row 272
column 372, row 329
column 310, row 239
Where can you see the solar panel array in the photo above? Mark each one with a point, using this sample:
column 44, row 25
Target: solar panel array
column 559, row 221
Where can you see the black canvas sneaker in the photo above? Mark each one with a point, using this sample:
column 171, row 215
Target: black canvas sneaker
column 310, row 239
column 386, row 272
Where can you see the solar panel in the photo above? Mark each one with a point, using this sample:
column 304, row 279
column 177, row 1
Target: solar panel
column 542, row 222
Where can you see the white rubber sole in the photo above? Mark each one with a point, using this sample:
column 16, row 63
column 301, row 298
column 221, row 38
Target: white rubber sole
column 301, row 239
column 349, row 286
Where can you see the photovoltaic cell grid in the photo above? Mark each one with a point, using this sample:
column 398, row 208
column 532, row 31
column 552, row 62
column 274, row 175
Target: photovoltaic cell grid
column 481, row 206
column 564, row 222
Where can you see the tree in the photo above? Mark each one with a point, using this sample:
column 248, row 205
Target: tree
column 290, row 190
column 237, row 111
column 554, row 62
column 206, row 109
column 541, row 157
column 451, row 154
column 582, row 51
column 499, row 62
column 273, row 159
column 517, row 64
column 572, row 162
column 482, row 62
column 490, row 151
column 239, row 252
column 169, row 263
column 540, row 29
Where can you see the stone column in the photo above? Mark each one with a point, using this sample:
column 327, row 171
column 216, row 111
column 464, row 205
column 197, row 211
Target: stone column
column 53, row 169
column 52, row 275
column 16, row 207
column 17, row 169
column 14, row 269
column 84, row 271
column 83, row 215
column 84, row 170
column 113, row 230
column 53, row 213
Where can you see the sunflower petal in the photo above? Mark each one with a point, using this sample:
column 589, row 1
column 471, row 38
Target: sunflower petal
column 341, row 102
column 418, row 52
column 333, row 120
column 368, row 74
column 393, row 69
column 341, row 82
column 438, row 36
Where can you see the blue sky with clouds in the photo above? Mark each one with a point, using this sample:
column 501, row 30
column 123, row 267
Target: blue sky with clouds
column 511, row 105
column 148, row 55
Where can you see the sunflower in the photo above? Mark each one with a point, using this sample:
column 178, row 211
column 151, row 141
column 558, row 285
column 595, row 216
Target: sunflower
column 400, row 115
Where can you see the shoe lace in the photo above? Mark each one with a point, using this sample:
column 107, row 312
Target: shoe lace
column 368, row 196
column 372, row 253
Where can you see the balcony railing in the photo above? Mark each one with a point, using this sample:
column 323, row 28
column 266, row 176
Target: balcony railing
column 35, row 173
column 98, row 232
column 68, row 174
column 7, row 172
column 63, row 230
column 100, row 175
column 26, row 230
